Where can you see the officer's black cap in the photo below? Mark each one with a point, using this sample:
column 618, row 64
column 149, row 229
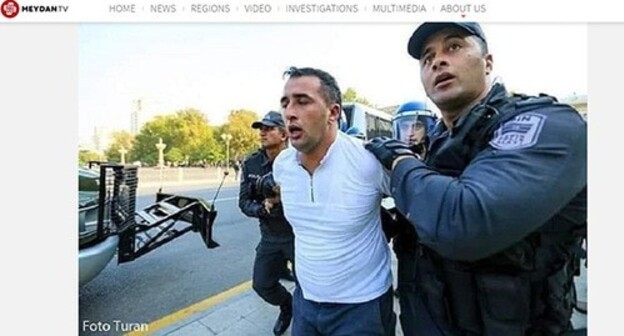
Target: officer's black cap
column 425, row 30
column 271, row 119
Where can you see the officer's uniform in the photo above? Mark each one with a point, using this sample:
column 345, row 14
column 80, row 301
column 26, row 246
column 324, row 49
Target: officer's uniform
column 276, row 244
column 405, row 247
column 500, row 208
column 407, row 118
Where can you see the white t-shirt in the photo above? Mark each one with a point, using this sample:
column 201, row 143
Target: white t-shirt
column 341, row 254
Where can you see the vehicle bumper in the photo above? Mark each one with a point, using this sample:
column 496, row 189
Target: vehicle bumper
column 92, row 260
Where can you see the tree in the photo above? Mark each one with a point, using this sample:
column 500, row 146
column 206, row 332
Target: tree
column 197, row 137
column 244, row 138
column 186, row 133
column 350, row 95
column 145, row 143
column 85, row 155
column 120, row 139
column 175, row 155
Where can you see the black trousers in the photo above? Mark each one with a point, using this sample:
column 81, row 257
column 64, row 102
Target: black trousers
column 408, row 298
column 271, row 256
column 414, row 317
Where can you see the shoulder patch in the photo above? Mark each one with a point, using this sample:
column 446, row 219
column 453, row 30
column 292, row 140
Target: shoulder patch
column 520, row 132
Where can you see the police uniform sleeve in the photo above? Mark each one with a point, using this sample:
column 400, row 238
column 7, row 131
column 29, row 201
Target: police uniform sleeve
column 246, row 202
column 508, row 190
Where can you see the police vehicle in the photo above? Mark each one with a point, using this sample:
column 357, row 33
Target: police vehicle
column 109, row 224
column 365, row 122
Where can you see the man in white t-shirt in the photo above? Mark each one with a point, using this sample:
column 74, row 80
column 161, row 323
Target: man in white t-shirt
column 331, row 189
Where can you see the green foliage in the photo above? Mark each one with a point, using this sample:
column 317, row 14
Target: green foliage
column 186, row 134
column 188, row 137
column 175, row 155
column 244, row 138
column 84, row 156
column 350, row 95
column 120, row 139
column 145, row 142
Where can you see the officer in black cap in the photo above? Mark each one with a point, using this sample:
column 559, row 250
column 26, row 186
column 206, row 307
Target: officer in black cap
column 256, row 199
column 499, row 204
column 424, row 31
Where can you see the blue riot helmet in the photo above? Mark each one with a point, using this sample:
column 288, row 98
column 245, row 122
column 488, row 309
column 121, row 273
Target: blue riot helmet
column 354, row 131
column 412, row 123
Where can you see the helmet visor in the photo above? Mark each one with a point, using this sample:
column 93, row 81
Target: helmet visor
column 412, row 128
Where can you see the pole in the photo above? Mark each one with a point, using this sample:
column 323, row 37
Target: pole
column 227, row 154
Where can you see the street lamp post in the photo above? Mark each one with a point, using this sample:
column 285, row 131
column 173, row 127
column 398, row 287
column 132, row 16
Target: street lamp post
column 227, row 137
column 161, row 158
column 123, row 153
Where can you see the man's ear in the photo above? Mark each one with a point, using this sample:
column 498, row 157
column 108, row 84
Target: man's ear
column 334, row 112
column 489, row 64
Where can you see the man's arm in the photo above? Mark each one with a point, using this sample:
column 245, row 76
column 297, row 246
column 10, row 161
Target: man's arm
column 503, row 195
column 248, row 205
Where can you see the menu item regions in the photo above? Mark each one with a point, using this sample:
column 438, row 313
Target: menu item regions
column 210, row 8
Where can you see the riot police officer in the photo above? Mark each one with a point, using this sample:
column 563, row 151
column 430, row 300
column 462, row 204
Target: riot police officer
column 411, row 123
column 499, row 203
column 256, row 200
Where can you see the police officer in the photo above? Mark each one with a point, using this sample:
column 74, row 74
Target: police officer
column 411, row 124
column 277, row 241
column 499, row 203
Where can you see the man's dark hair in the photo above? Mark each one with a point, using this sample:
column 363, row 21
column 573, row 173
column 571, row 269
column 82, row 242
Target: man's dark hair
column 329, row 86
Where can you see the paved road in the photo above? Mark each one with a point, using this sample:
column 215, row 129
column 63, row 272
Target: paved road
column 176, row 275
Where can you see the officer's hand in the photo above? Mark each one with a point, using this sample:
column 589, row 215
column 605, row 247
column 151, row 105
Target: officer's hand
column 271, row 203
column 387, row 150
column 268, row 205
column 266, row 185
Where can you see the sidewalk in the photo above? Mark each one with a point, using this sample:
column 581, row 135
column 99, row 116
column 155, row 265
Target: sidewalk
column 151, row 179
column 242, row 315
column 245, row 314
column 151, row 187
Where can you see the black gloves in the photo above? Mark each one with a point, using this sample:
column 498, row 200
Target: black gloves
column 387, row 150
column 265, row 185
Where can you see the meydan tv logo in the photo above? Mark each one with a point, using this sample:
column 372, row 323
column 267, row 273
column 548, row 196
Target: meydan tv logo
column 10, row 9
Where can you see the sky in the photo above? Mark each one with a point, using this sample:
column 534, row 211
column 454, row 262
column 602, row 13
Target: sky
column 220, row 67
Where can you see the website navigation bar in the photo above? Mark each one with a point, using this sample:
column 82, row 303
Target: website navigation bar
column 306, row 11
